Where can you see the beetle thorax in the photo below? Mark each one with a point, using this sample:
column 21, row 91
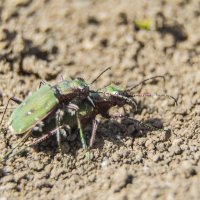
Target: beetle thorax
column 67, row 90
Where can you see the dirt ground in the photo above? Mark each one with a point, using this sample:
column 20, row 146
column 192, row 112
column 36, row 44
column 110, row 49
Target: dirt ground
column 44, row 39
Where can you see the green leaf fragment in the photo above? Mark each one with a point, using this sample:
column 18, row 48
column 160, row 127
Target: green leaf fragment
column 143, row 24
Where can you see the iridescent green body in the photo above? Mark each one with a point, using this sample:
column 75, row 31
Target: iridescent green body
column 43, row 102
column 103, row 99
column 86, row 113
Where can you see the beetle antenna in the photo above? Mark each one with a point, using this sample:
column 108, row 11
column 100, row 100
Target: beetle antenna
column 145, row 80
column 155, row 95
column 109, row 68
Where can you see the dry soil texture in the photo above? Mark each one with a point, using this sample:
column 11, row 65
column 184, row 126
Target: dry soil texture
column 44, row 39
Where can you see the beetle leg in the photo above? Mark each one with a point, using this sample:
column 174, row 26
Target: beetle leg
column 21, row 142
column 75, row 108
column 96, row 122
column 82, row 136
column 59, row 116
column 16, row 100
column 44, row 137
column 145, row 80
column 38, row 141
column 48, row 135
column 42, row 82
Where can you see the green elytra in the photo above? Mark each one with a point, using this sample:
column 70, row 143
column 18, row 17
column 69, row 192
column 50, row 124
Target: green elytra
column 42, row 102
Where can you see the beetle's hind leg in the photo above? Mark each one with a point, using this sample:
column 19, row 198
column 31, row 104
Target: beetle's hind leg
column 41, row 139
column 5, row 130
column 14, row 99
column 20, row 143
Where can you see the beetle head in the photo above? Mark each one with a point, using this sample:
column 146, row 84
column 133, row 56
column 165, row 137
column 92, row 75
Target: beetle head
column 117, row 96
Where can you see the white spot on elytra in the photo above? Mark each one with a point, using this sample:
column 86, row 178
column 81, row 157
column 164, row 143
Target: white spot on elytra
column 29, row 112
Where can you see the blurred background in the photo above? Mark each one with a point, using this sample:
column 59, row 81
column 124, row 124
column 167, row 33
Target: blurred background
column 138, row 39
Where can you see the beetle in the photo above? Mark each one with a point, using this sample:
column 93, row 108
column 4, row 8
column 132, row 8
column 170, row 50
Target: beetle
column 43, row 102
column 46, row 99
column 104, row 99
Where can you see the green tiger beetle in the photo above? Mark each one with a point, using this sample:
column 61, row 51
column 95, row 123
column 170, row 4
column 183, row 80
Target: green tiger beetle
column 43, row 102
column 103, row 99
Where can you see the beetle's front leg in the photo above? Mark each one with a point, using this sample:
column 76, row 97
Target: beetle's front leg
column 82, row 136
column 75, row 108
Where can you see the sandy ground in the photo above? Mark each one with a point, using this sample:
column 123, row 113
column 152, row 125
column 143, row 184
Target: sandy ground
column 44, row 39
